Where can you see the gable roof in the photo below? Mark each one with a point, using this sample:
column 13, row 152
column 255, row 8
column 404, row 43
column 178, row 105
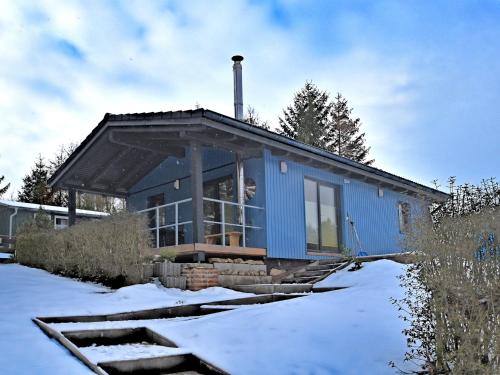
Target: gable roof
column 54, row 209
column 111, row 137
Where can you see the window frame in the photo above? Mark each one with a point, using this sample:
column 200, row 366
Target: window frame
column 338, row 215
column 60, row 217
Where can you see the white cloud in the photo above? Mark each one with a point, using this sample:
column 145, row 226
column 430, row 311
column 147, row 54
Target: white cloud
column 141, row 56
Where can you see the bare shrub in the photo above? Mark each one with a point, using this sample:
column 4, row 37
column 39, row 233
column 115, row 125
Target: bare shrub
column 467, row 199
column 111, row 250
column 452, row 296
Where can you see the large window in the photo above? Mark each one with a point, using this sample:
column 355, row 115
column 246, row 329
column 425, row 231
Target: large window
column 322, row 216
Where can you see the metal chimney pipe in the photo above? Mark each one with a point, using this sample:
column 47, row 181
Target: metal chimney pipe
column 238, row 87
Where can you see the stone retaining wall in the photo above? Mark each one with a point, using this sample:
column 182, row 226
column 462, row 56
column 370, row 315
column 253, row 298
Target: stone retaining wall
column 218, row 272
column 200, row 277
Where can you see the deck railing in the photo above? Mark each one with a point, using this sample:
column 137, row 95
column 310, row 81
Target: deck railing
column 239, row 215
column 156, row 219
column 240, row 222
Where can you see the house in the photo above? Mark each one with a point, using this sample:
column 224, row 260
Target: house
column 13, row 214
column 210, row 183
column 214, row 185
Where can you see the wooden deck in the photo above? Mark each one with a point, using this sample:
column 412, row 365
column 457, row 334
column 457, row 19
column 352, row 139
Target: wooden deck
column 216, row 250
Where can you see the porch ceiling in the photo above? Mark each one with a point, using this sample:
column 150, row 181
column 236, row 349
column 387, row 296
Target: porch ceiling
column 120, row 154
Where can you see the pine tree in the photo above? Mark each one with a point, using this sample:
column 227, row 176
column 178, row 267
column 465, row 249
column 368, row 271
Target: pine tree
column 307, row 119
column 344, row 137
column 252, row 117
column 35, row 188
column 5, row 188
column 60, row 197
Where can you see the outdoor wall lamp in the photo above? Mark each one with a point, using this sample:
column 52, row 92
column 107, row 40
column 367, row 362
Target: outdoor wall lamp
column 283, row 167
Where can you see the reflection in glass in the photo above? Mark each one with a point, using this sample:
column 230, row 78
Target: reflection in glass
column 329, row 239
column 311, row 207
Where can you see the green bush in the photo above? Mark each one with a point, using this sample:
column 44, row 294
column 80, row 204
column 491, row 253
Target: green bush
column 167, row 255
column 110, row 251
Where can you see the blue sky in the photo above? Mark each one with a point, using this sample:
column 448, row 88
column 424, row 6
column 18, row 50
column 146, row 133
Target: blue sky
column 423, row 76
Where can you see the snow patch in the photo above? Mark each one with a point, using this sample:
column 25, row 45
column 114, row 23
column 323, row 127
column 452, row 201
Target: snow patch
column 110, row 353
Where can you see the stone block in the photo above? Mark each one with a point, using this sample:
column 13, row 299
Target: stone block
column 276, row 272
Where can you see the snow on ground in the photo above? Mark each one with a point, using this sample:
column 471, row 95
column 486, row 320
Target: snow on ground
column 349, row 331
column 5, row 256
column 128, row 351
column 28, row 292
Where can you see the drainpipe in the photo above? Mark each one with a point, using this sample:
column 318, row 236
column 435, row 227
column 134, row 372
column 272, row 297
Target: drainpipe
column 240, row 178
column 11, row 218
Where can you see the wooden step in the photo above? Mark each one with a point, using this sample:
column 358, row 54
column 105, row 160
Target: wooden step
column 324, row 268
column 305, row 279
column 338, row 259
column 310, row 273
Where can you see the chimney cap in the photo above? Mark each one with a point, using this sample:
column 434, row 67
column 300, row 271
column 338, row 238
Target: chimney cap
column 237, row 58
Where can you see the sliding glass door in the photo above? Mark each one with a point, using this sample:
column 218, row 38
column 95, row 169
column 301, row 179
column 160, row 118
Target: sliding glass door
column 322, row 216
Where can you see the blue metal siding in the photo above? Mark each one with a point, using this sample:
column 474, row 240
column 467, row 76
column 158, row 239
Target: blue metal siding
column 376, row 218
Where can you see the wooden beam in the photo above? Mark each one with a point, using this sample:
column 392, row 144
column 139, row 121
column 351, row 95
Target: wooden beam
column 172, row 148
column 196, row 169
column 96, row 189
column 189, row 249
column 230, row 250
column 52, row 333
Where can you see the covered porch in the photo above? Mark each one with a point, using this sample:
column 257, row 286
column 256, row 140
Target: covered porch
column 201, row 188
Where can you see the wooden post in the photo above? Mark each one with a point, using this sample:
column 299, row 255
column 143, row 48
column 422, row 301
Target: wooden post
column 71, row 207
column 196, row 168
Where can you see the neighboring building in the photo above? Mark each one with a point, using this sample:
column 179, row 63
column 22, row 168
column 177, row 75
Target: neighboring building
column 211, row 184
column 13, row 214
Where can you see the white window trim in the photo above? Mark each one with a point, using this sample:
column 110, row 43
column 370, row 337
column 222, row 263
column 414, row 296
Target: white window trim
column 59, row 217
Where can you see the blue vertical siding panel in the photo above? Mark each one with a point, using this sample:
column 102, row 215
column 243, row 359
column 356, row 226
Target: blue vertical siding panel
column 376, row 218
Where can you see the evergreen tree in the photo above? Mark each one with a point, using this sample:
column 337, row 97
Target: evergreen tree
column 252, row 117
column 5, row 188
column 344, row 137
column 60, row 197
column 35, row 188
column 307, row 119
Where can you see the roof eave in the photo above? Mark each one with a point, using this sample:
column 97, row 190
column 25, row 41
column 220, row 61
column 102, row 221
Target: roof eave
column 225, row 123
